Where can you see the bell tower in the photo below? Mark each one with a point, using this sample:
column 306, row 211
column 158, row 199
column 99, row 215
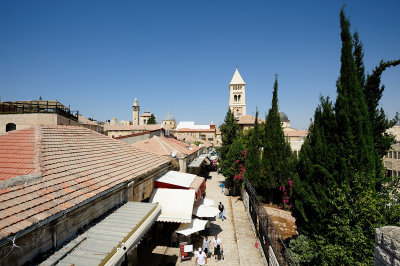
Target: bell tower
column 237, row 95
column 135, row 112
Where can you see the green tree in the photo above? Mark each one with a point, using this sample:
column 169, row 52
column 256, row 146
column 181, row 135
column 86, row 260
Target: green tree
column 152, row 120
column 234, row 159
column 275, row 170
column 229, row 132
column 336, row 201
column 253, row 155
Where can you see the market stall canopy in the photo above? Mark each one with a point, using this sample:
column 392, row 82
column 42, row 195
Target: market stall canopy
column 195, row 226
column 109, row 240
column 205, row 211
column 207, row 202
column 177, row 204
column 175, row 178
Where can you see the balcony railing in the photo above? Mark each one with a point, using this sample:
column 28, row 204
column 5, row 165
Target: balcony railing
column 27, row 107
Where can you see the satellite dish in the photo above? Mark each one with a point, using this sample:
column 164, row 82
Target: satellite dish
column 173, row 154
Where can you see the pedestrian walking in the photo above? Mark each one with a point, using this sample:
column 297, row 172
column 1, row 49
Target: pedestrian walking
column 206, row 245
column 221, row 209
column 201, row 258
column 217, row 243
column 222, row 188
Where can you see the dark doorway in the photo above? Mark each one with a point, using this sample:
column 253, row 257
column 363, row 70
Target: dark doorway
column 10, row 127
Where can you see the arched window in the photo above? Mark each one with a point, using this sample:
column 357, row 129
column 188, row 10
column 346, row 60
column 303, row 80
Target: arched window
column 239, row 98
column 10, row 127
column 235, row 98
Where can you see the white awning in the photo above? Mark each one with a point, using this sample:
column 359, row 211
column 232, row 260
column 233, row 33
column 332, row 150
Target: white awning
column 176, row 178
column 206, row 202
column 205, row 211
column 176, row 204
column 195, row 226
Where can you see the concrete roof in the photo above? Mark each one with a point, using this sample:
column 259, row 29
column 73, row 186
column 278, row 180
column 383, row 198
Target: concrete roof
column 46, row 170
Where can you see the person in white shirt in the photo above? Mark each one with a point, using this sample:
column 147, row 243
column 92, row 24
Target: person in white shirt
column 217, row 247
column 201, row 258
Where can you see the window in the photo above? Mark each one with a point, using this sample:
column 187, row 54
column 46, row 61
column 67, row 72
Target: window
column 390, row 154
column 394, row 155
column 394, row 173
column 235, row 98
column 112, row 136
column 10, row 127
column 398, row 155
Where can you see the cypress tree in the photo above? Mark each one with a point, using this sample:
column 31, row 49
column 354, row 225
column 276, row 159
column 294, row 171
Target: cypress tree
column 276, row 151
column 336, row 203
column 152, row 120
column 229, row 132
column 253, row 159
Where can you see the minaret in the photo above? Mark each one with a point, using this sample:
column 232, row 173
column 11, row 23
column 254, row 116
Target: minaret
column 135, row 112
column 237, row 95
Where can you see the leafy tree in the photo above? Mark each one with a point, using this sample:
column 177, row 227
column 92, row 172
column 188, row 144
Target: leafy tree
column 233, row 160
column 339, row 197
column 152, row 120
column 229, row 132
column 275, row 170
column 253, row 158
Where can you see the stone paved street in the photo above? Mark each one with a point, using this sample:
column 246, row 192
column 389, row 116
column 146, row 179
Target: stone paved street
column 238, row 238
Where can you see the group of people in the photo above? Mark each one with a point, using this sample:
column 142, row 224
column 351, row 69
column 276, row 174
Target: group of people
column 201, row 256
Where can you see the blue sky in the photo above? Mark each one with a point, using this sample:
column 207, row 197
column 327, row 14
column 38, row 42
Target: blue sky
column 180, row 56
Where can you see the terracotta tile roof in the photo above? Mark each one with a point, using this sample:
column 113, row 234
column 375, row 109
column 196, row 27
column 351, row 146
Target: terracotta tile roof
column 194, row 130
column 190, row 139
column 165, row 146
column 84, row 120
column 248, row 120
column 291, row 132
column 74, row 164
column 132, row 127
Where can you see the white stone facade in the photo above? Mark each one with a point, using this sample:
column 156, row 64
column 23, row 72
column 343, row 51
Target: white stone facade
column 237, row 95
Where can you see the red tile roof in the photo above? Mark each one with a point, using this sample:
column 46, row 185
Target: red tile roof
column 65, row 166
column 194, row 130
column 132, row 127
column 248, row 120
column 165, row 146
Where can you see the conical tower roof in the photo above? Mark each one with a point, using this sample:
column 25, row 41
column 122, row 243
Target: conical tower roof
column 237, row 78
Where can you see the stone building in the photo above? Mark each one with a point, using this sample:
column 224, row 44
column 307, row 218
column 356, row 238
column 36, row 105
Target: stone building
column 90, row 124
column 57, row 180
column 391, row 160
column 114, row 131
column 237, row 95
column 24, row 114
column 198, row 132
column 169, row 122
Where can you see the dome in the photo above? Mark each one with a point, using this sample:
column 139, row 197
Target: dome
column 169, row 117
column 284, row 117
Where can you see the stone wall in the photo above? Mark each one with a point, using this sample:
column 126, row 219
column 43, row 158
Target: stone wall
column 387, row 246
column 24, row 248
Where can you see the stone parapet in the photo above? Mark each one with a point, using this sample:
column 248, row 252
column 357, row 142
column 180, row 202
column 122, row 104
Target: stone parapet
column 387, row 246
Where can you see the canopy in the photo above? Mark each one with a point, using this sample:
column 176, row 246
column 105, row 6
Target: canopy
column 109, row 240
column 176, row 204
column 176, row 178
column 207, row 202
column 195, row 226
column 205, row 211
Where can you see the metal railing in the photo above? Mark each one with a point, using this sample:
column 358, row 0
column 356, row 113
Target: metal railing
column 271, row 242
column 26, row 107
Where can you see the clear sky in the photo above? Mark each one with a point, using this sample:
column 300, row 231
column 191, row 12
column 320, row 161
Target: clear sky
column 97, row 56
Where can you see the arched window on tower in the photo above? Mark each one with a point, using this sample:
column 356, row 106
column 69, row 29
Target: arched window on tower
column 238, row 98
column 10, row 127
column 235, row 98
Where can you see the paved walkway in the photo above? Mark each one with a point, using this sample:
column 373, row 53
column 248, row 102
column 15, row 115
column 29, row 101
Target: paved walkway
column 238, row 238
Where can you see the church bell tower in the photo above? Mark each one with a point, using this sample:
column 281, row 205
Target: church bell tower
column 237, row 95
